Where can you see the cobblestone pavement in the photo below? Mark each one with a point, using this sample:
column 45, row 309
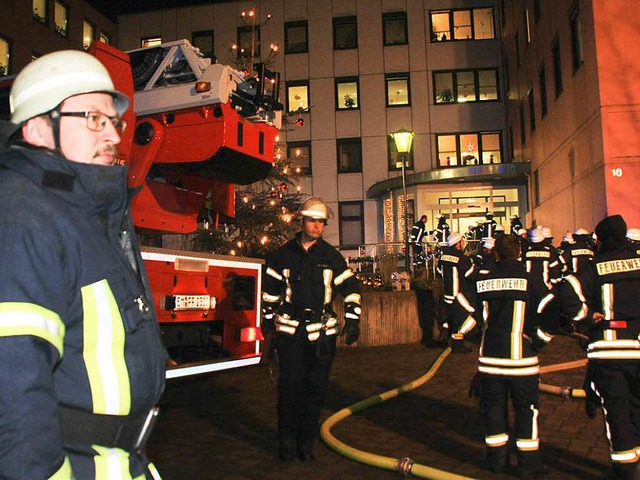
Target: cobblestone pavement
column 223, row 425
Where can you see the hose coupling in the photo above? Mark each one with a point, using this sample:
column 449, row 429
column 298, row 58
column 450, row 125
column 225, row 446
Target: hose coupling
column 404, row 466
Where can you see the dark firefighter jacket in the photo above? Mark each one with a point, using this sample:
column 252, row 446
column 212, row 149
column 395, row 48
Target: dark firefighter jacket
column 611, row 286
column 510, row 324
column 576, row 256
column 77, row 326
column 300, row 285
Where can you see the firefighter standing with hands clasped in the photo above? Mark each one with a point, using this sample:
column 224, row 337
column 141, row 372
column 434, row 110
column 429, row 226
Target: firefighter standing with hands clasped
column 82, row 364
column 301, row 281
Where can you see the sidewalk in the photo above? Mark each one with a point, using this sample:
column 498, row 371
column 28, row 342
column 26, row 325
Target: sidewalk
column 223, row 426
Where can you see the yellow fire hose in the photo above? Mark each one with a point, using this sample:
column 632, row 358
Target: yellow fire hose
column 405, row 465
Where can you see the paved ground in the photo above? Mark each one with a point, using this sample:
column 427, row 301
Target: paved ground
column 223, row 426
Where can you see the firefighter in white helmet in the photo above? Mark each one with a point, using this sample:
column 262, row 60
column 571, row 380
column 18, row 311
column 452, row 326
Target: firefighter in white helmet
column 301, row 281
column 82, row 365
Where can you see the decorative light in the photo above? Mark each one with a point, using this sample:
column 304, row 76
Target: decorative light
column 298, row 169
column 272, row 202
column 232, row 252
column 245, row 199
column 264, row 240
column 300, row 122
column 239, row 243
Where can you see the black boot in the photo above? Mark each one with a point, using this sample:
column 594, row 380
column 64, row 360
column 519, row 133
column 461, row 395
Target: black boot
column 305, row 450
column 287, row 449
column 458, row 346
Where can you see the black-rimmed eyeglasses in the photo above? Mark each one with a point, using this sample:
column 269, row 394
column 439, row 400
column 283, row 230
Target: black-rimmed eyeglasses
column 97, row 121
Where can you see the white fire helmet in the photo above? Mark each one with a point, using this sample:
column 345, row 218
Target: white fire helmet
column 46, row 82
column 316, row 208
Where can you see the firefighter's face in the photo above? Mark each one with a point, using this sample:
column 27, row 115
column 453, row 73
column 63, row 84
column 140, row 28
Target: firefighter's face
column 311, row 228
column 81, row 144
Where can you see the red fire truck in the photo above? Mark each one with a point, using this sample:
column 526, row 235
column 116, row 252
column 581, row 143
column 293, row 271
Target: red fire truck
column 200, row 128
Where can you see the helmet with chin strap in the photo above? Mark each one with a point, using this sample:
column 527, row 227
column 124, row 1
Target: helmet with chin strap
column 316, row 208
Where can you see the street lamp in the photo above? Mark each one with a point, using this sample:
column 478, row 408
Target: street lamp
column 403, row 139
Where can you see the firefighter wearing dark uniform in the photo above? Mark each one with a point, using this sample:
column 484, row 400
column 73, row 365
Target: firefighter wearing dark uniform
column 605, row 296
column 487, row 258
column 516, row 225
column 302, row 279
column 442, row 231
column 457, row 273
column 489, row 226
column 418, row 231
column 577, row 254
column 82, row 363
column 508, row 362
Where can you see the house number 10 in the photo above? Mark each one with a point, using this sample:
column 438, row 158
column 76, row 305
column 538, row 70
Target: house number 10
column 616, row 172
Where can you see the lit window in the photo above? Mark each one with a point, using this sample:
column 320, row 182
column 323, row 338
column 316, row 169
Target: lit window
column 40, row 10
column 298, row 95
column 345, row 33
column 466, row 86
column 487, row 85
column 466, row 149
column 203, row 40
column 296, row 37
column 248, row 42
column 474, row 24
column 299, row 153
column 150, row 42
column 395, row 160
column 88, row 34
column 347, row 93
column 397, row 89
column 349, row 155
column 61, row 18
column 351, row 219
column 394, row 28
column 5, row 56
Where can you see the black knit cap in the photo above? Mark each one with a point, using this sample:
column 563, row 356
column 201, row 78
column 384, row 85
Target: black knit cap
column 611, row 229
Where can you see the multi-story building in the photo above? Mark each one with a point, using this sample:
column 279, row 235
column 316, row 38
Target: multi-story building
column 573, row 106
column 354, row 71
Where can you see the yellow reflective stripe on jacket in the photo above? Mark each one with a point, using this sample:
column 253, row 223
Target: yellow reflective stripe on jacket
column 18, row 318
column 64, row 472
column 154, row 472
column 112, row 464
column 104, row 350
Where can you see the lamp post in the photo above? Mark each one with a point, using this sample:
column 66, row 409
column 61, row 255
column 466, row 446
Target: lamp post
column 403, row 139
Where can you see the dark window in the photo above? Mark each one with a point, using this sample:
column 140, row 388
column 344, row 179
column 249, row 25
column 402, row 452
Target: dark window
column 248, row 44
column 465, row 149
column 299, row 153
column 347, row 93
column 463, row 86
column 577, row 52
column 345, row 33
column 536, row 188
column 503, row 13
column 542, row 80
column 532, row 110
column 537, row 10
column 203, row 39
column 557, row 66
column 512, row 143
column 351, row 218
column 474, row 24
column 349, row 155
column 397, row 89
column 298, row 95
column 517, row 42
column 394, row 28
column 296, row 37
column 395, row 159
column 507, row 76
column 523, row 128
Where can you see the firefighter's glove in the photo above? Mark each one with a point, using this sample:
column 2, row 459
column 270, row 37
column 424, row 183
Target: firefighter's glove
column 268, row 321
column 537, row 343
column 474, row 387
column 351, row 331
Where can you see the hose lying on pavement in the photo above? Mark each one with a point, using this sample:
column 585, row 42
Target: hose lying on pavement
column 564, row 392
column 405, row 465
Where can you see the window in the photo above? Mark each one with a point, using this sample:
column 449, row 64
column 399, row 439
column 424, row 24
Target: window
column 248, row 44
column 150, row 41
column 397, row 90
column 577, row 53
column 203, row 39
column 532, row 110
column 61, row 18
column 512, row 144
column 5, row 56
column 523, row 128
column 537, row 10
column 394, row 28
column 475, row 24
column 345, row 33
column 557, row 66
column 464, row 149
column 507, row 80
column 536, row 188
column 351, row 218
column 526, row 27
column 39, row 10
column 465, row 86
column 503, row 13
column 347, row 93
column 105, row 38
column 298, row 95
column 395, row 159
column 296, row 37
column 88, row 34
column 349, row 155
column 542, row 80
column 517, row 42
column 300, row 155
